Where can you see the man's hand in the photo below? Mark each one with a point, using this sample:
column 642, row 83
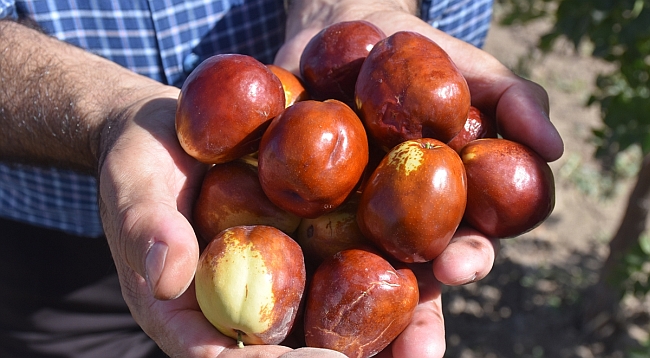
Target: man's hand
column 147, row 186
column 520, row 107
column 64, row 106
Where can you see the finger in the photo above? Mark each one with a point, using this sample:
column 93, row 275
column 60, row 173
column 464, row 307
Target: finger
column 253, row 351
column 521, row 107
column 162, row 245
column 523, row 116
column 425, row 335
column 178, row 326
column 468, row 257
column 147, row 234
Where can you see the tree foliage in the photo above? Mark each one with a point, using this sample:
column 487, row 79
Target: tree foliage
column 618, row 31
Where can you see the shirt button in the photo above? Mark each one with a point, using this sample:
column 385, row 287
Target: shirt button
column 190, row 62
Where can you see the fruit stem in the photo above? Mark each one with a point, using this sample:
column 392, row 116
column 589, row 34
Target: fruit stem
column 240, row 343
column 429, row 146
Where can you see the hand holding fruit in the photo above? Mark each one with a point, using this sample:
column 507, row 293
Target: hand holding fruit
column 148, row 182
column 521, row 110
column 148, row 185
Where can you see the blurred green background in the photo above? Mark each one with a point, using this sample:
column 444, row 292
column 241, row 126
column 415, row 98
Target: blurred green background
column 576, row 286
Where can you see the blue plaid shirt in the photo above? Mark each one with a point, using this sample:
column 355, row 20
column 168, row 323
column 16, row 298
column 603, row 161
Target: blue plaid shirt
column 164, row 40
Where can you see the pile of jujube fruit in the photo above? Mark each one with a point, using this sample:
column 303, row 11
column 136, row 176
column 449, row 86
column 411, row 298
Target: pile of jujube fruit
column 323, row 187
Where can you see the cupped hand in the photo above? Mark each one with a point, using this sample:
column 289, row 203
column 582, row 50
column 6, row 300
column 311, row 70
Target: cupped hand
column 147, row 185
column 521, row 108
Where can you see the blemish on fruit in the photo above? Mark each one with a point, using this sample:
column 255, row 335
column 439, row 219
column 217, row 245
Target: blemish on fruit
column 468, row 156
column 408, row 157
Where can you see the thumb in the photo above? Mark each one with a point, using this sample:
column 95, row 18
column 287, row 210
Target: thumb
column 146, row 186
column 163, row 249
column 149, row 236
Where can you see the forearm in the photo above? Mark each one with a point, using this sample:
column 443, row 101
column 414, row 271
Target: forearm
column 56, row 98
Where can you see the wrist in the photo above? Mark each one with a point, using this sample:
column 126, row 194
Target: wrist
column 152, row 97
column 315, row 15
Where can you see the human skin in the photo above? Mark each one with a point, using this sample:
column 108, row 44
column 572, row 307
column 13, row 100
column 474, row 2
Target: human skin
column 61, row 105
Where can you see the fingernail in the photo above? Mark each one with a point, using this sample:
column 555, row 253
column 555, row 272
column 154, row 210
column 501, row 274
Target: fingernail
column 154, row 264
column 471, row 279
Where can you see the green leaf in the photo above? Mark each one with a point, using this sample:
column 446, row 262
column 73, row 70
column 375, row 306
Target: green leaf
column 644, row 242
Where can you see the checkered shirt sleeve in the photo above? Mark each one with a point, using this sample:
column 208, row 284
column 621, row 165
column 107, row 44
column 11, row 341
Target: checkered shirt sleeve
column 164, row 40
column 468, row 20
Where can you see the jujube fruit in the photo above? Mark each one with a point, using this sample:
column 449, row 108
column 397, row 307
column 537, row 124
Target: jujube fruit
column 294, row 90
column 409, row 88
column 231, row 195
column 358, row 303
column 331, row 60
column 249, row 282
column 331, row 232
column 312, row 157
column 414, row 201
column 225, row 105
column 510, row 188
column 478, row 125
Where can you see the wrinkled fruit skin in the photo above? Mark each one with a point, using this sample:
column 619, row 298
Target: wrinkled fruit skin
column 225, row 105
column 331, row 60
column 312, row 157
column 414, row 200
column 231, row 195
column 358, row 303
column 478, row 125
column 330, row 233
column 294, row 90
column 409, row 88
column 510, row 188
column 250, row 280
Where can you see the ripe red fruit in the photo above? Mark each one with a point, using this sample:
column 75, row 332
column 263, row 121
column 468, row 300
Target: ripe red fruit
column 414, row 201
column 510, row 188
column 358, row 303
column 224, row 107
column 331, row 60
column 312, row 157
column 478, row 125
column 409, row 88
column 231, row 195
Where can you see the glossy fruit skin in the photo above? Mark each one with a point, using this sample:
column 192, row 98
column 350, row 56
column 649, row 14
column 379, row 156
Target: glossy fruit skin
column 510, row 188
column 409, row 88
column 294, row 89
column 312, row 157
column 324, row 236
column 331, row 60
column 225, row 105
column 478, row 125
column 251, row 279
column 231, row 195
column 358, row 303
column 414, row 200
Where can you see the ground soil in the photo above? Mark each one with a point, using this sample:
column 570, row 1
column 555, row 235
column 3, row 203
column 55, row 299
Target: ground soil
column 531, row 304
